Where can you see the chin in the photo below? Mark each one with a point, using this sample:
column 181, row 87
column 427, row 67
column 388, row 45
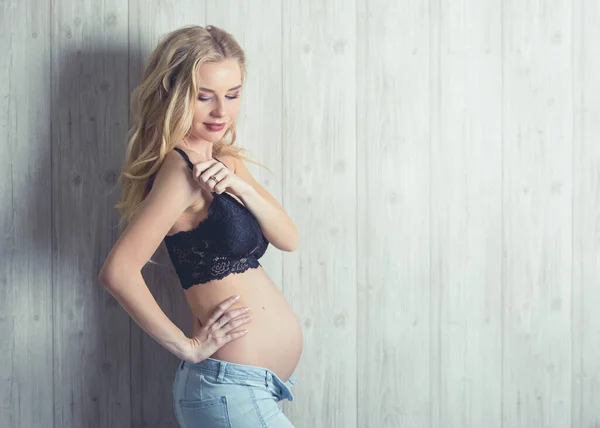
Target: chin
column 213, row 138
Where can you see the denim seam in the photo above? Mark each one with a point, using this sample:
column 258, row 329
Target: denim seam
column 262, row 421
column 227, row 411
column 176, row 389
column 187, row 378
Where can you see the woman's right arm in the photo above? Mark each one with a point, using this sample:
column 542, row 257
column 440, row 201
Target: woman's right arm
column 172, row 192
column 133, row 294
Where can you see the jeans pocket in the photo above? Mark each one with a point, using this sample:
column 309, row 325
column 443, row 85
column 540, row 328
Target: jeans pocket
column 211, row 412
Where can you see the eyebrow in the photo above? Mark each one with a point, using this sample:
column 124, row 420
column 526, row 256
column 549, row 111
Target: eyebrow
column 210, row 90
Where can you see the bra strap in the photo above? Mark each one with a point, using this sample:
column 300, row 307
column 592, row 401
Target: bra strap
column 189, row 162
column 186, row 157
column 220, row 161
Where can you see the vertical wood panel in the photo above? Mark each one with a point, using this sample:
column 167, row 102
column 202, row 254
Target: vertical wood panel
column 319, row 191
column 586, row 247
column 152, row 366
column 466, row 212
column 537, row 203
column 25, row 216
column 393, row 125
column 91, row 335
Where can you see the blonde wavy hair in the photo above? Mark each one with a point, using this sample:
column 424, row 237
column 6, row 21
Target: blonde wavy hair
column 162, row 106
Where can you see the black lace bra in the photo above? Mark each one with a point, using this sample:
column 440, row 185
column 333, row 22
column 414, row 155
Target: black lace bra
column 229, row 240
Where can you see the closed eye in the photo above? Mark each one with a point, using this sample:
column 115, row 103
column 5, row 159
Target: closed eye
column 231, row 97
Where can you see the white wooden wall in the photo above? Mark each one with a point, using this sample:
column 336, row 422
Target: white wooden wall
column 440, row 159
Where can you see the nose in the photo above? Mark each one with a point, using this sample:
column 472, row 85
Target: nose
column 219, row 110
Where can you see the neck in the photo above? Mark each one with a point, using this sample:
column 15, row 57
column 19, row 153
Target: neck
column 203, row 148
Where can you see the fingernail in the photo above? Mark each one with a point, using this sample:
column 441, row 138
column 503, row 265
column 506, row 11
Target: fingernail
column 236, row 297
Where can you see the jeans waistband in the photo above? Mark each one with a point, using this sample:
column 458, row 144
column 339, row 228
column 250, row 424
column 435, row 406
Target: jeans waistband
column 225, row 370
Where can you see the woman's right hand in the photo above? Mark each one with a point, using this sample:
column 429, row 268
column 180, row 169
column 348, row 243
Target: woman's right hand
column 215, row 334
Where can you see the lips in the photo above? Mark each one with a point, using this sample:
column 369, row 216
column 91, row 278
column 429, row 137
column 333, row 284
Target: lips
column 214, row 126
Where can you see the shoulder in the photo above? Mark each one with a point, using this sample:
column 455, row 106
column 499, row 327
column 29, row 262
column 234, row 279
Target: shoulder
column 174, row 172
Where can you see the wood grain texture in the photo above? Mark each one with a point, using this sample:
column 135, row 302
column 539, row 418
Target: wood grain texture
column 393, row 246
column 25, row 216
column 89, row 111
column 466, row 216
column 537, row 191
column 319, row 158
column 586, row 205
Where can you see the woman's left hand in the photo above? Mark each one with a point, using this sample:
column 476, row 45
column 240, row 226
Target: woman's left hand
column 224, row 178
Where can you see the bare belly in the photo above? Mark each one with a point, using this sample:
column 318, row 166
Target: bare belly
column 274, row 339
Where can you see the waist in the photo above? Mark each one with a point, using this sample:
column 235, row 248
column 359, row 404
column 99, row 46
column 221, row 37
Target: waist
column 274, row 339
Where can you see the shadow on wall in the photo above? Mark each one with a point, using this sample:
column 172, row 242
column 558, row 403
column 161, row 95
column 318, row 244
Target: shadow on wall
column 108, row 372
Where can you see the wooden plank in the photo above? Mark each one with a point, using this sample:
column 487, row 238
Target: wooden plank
column 88, row 78
column 393, row 124
column 537, row 209
column 26, row 219
column 319, row 156
column 466, row 194
column 586, row 247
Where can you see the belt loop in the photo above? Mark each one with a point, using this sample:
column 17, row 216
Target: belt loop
column 182, row 364
column 222, row 366
column 267, row 376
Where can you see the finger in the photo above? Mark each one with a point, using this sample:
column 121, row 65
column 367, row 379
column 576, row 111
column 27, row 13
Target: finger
column 240, row 319
column 226, row 323
column 237, row 334
column 222, row 184
column 210, row 171
column 220, row 309
column 235, row 324
column 221, row 341
column 239, row 311
column 229, row 317
column 212, row 184
column 200, row 167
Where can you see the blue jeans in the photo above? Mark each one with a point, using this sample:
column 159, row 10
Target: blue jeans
column 220, row 394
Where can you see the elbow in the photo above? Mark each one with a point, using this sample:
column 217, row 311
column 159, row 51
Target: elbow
column 115, row 274
column 288, row 245
column 109, row 274
column 104, row 277
column 292, row 243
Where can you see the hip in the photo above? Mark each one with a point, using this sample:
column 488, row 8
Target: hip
column 216, row 393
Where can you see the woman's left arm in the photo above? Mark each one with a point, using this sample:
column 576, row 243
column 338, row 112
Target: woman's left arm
column 276, row 225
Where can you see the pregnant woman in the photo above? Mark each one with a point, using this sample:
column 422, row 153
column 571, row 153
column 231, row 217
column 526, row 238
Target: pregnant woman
column 185, row 185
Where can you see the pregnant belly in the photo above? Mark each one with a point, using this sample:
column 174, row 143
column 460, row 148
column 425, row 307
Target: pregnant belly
column 274, row 339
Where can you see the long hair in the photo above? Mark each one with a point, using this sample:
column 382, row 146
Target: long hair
column 162, row 107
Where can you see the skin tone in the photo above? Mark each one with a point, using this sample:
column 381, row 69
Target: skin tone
column 218, row 101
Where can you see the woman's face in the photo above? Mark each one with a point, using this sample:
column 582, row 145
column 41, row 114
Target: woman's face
column 217, row 101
